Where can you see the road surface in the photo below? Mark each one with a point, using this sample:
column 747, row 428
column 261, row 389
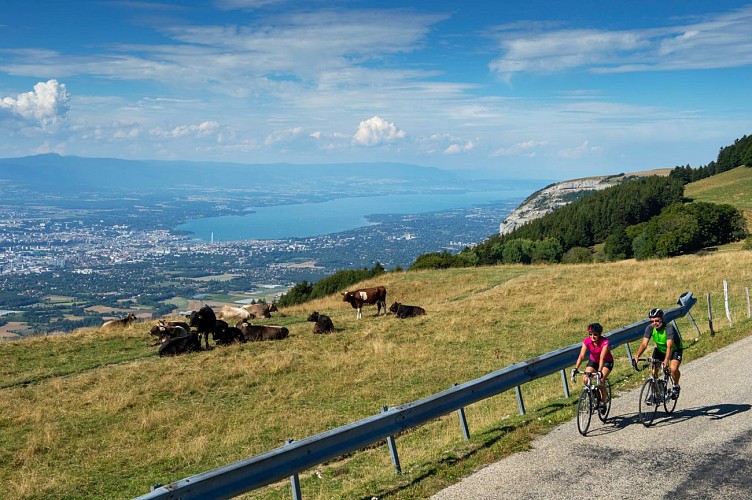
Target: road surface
column 702, row 450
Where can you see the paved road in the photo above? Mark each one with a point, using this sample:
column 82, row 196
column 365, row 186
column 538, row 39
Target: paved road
column 702, row 450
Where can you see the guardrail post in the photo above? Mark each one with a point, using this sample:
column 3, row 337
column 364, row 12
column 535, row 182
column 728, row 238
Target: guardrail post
column 463, row 420
column 520, row 403
column 710, row 316
column 565, row 383
column 392, row 447
column 295, row 482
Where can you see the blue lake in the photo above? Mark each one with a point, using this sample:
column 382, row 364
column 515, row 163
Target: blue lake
column 333, row 216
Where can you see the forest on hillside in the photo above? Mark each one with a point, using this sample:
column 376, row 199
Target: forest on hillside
column 644, row 218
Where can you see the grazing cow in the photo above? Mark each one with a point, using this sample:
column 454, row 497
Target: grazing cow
column 119, row 323
column 402, row 311
column 179, row 345
column 323, row 322
column 204, row 321
column 228, row 312
column 375, row 295
column 260, row 310
column 253, row 333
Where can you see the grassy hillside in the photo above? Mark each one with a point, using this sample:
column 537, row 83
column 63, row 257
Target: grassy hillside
column 733, row 187
column 99, row 415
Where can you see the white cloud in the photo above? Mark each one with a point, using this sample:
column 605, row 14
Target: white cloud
column 526, row 149
column 455, row 148
column 579, row 151
column 283, row 135
column 720, row 41
column 375, row 131
column 203, row 129
column 46, row 105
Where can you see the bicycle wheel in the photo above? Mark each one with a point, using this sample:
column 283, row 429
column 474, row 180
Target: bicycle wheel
column 669, row 403
column 584, row 411
column 603, row 415
column 648, row 402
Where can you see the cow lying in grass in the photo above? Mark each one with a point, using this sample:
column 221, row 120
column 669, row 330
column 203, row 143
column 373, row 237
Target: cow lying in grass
column 323, row 322
column 163, row 331
column 260, row 310
column 179, row 345
column 119, row 323
column 403, row 311
column 253, row 333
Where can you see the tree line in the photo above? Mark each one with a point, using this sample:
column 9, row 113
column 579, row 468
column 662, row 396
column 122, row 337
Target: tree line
column 729, row 157
column 644, row 218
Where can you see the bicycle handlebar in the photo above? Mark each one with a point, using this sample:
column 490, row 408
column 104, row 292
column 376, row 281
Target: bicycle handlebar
column 597, row 374
column 647, row 362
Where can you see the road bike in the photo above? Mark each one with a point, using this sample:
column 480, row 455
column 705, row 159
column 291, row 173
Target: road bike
column 590, row 399
column 657, row 390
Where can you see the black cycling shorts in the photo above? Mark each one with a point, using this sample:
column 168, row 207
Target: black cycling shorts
column 594, row 364
column 675, row 354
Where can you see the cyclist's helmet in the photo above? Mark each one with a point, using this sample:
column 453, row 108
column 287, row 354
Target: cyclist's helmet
column 595, row 328
column 655, row 313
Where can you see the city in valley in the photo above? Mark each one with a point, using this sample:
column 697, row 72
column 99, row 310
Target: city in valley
column 74, row 261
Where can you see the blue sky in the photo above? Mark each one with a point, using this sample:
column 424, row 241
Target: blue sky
column 533, row 89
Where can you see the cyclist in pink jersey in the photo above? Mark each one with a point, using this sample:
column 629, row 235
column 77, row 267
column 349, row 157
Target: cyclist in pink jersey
column 600, row 355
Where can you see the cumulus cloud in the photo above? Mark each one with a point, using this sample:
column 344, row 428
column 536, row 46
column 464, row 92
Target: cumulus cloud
column 46, row 105
column 375, row 131
column 283, row 135
column 203, row 129
column 455, row 148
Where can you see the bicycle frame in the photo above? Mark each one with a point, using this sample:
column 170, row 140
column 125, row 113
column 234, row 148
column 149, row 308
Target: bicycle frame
column 590, row 399
column 656, row 390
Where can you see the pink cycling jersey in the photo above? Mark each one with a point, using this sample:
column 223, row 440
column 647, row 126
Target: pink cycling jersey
column 595, row 349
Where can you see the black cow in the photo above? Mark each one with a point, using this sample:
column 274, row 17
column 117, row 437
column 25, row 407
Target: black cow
column 227, row 335
column 204, row 321
column 164, row 331
column 323, row 322
column 179, row 345
column 253, row 333
column 403, row 311
column 375, row 295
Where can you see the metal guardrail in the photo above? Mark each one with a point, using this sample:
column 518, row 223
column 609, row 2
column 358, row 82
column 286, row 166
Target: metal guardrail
column 296, row 456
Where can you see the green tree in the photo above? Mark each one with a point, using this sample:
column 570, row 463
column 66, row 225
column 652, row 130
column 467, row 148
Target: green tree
column 547, row 250
column 618, row 246
column 577, row 255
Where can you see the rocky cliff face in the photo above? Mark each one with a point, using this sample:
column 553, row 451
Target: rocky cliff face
column 557, row 195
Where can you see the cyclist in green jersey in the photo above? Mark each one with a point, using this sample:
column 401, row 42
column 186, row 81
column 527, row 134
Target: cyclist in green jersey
column 668, row 345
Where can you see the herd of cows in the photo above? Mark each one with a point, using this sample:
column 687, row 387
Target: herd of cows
column 178, row 337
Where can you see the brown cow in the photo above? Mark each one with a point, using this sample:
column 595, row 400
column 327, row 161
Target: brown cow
column 375, row 295
column 260, row 310
column 119, row 323
column 228, row 312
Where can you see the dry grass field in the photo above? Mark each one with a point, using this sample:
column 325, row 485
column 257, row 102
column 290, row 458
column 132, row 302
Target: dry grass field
column 100, row 415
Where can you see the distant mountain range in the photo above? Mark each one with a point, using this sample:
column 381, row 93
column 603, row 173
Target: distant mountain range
column 52, row 172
